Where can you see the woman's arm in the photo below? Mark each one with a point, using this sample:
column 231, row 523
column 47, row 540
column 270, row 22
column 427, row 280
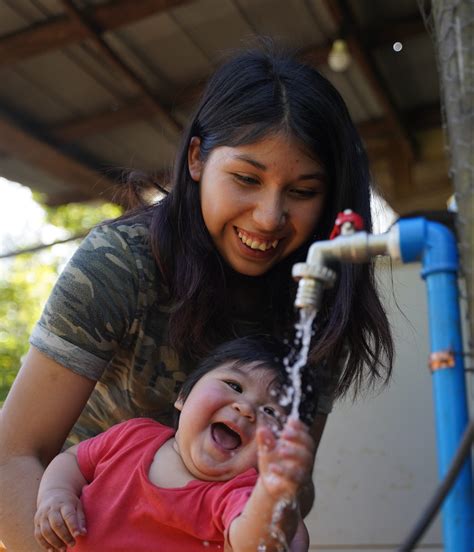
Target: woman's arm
column 45, row 401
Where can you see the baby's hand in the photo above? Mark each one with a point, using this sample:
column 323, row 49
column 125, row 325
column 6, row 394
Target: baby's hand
column 285, row 464
column 58, row 520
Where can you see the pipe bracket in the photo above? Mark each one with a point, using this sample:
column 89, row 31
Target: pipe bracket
column 439, row 360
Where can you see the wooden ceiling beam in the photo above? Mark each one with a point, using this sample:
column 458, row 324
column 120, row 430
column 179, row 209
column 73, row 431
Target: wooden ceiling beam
column 61, row 31
column 103, row 121
column 94, row 32
column 423, row 117
column 345, row 21
column 21, row 144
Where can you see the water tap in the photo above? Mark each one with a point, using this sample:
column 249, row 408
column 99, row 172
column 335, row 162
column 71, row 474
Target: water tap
column 348, row 243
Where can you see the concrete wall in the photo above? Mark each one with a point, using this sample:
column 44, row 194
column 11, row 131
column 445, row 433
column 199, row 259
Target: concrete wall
column 377, row 466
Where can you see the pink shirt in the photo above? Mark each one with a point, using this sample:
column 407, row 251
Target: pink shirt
column 126, row 512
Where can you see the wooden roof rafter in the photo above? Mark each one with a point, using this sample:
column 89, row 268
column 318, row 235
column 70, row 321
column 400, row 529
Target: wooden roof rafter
column 94, row 32
column 424, row 116
column 23, row 144
column 140, row 109
column 63, row 31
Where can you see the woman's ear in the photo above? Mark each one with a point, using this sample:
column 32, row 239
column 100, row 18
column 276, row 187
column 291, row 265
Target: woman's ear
column 178, row 403
column 194, row 159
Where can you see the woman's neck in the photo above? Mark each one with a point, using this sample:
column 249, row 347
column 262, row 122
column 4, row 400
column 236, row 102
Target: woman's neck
column 248, row 294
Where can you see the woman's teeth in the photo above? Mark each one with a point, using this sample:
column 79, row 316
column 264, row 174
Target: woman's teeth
column 256, row 244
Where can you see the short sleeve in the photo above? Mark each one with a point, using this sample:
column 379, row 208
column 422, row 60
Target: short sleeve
column 92, row 304
column 102, row 448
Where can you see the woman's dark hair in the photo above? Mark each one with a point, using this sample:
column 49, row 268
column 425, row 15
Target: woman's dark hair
column 251, row 96
column 262, row 351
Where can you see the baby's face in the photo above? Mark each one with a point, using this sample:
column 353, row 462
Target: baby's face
column 216, row 435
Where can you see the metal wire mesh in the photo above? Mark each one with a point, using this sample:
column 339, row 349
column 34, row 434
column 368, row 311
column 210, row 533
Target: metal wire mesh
column 451, row 25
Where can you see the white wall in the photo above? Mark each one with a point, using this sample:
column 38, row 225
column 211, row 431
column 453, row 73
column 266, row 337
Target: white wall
column 376, row 468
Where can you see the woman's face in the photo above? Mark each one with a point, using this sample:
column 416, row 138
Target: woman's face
column 259, row 201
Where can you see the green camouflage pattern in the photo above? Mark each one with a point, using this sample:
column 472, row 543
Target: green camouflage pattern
column 107, row 319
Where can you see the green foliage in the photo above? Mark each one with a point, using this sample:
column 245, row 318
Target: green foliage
column 80, row 217
column 26, row 282
column 23, row 290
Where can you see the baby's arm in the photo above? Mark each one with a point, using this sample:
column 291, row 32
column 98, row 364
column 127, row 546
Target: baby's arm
column 271, row 514
column 59, row 516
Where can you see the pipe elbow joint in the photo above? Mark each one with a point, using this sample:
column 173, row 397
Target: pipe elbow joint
column 429, row 241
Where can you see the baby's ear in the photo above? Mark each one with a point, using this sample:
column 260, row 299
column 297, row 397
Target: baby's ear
column 194, row 159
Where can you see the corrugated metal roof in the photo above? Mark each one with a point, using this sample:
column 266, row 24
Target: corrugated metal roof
column 60, row 89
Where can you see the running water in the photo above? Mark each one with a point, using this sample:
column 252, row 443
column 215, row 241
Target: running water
column 303, row 332
column 294, row 393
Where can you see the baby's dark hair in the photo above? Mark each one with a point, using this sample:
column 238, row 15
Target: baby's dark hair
column 263, row 351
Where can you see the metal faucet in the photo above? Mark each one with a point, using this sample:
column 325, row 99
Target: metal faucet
column 351, row 246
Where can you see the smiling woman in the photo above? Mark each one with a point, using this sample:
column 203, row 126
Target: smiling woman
column 268, row 159
column 260, row 202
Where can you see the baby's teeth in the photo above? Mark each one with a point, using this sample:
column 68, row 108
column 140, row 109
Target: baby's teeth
column 274, row 244
column 262, row 247
column 254, row 245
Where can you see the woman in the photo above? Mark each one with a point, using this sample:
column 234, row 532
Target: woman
column 269, row 158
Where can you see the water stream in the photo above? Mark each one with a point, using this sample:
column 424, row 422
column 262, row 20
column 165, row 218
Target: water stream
column 304, row 330
column 294, row 365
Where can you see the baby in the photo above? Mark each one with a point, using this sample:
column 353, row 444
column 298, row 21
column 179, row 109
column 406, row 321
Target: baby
column 227, row 478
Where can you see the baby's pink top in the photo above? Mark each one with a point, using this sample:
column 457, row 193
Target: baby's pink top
column 126, row 512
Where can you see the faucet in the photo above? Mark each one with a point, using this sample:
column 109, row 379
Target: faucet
column 349, row 244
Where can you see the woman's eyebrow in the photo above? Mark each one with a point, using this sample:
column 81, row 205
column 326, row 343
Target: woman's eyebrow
column 253, row 162
column 318, row 175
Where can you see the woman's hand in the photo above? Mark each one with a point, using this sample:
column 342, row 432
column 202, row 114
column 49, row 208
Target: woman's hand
column 59, row 519
column 285, row 463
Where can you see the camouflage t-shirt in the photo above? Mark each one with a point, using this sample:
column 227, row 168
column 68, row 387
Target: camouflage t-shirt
column 107, row 319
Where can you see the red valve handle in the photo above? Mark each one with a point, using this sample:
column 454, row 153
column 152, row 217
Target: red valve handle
column 347, row 216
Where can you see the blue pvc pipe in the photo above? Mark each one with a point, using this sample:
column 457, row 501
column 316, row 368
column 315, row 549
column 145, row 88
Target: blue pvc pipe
column 435, row 246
